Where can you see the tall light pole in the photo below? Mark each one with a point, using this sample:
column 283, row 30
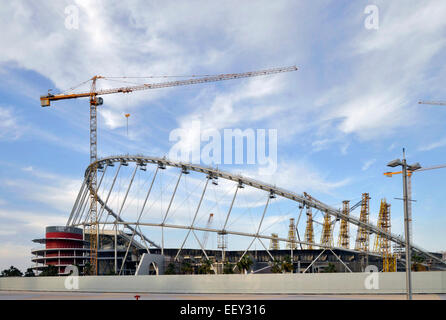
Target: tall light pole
column 406, row 167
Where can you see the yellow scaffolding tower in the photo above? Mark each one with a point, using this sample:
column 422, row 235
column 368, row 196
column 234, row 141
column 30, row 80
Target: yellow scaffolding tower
column 327, row 235
column 344, row 234
column 291, row 244
column 309, row 233
column 382, row 244
column 362, row 236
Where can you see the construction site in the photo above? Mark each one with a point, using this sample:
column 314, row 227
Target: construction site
column 123, row 220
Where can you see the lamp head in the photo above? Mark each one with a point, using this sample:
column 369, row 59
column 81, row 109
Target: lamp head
column 395, row 163
column 414, row 166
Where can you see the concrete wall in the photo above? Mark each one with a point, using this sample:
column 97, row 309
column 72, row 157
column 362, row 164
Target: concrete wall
column 320, row 283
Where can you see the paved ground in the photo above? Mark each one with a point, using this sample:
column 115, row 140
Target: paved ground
column 30, row 295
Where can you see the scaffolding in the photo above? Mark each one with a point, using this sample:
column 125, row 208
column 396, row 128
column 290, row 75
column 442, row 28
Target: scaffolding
column 309, row 232
column 344, row 234
column 274, row 244
column 327, row 231
column 362, row 236
column 291, row 244
column 222, row 243
column 382, row 243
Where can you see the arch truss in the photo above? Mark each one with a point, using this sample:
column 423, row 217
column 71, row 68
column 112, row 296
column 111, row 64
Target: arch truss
column 164, row 203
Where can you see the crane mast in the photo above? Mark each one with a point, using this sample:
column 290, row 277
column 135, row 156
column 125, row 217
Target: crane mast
column 96, row 100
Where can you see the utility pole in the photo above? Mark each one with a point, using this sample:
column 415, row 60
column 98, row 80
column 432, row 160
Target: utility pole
column 406, row 199
column 406, row 230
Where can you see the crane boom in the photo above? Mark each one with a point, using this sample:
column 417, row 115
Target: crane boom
column 437, row 103
column 45, row 100
column 409, row 189
column 95, row 101
column 421, row 169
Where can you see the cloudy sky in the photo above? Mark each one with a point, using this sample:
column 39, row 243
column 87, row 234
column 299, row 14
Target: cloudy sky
column 349, row 109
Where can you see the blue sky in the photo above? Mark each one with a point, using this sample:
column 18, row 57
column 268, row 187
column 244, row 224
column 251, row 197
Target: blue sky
column 349, row 109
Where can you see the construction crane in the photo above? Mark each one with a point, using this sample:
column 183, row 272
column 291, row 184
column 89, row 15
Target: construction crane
column 96, row 100
column 206, row 234
column 436, row 103
column 409, row 190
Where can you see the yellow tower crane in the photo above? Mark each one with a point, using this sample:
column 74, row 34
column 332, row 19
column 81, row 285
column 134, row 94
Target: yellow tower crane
column 95, row 101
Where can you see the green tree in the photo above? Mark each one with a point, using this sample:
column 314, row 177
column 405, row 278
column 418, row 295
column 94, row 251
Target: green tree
column 12, row 272
column 29, row 273
column 331, row 268
column 186, row 268
column 50, row 271
column 244, row 264
column 171, row 269
column 287, row 265
column 276, row 266
column 417, row 264
column 205, row 267
column 88, row 270
column 228, row 268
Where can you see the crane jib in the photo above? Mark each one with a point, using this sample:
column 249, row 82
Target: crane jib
column 46, row 100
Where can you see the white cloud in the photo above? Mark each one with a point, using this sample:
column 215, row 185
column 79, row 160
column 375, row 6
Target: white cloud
column 299, row 176
column 9, row 127
column 368, row 164
column 433, row 145
column 162, row 42
column 12, row 254
column 388, row 67
column 56, row 191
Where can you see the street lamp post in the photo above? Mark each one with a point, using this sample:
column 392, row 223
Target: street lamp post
column 406, row 167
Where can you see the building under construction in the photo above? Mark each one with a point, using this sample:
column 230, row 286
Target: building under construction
column 100, row 246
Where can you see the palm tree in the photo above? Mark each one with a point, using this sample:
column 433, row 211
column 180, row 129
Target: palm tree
column 330, row 268
column 228, row 268
column 205, row 267
column 276, row 266
column 244, row 264
column 170, row 269
column 287, row 265
column 187, row 268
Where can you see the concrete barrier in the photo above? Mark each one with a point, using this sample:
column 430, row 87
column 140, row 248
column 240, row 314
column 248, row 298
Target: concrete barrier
column 315, row 283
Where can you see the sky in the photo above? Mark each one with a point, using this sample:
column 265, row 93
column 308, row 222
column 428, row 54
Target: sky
column 351, row 107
